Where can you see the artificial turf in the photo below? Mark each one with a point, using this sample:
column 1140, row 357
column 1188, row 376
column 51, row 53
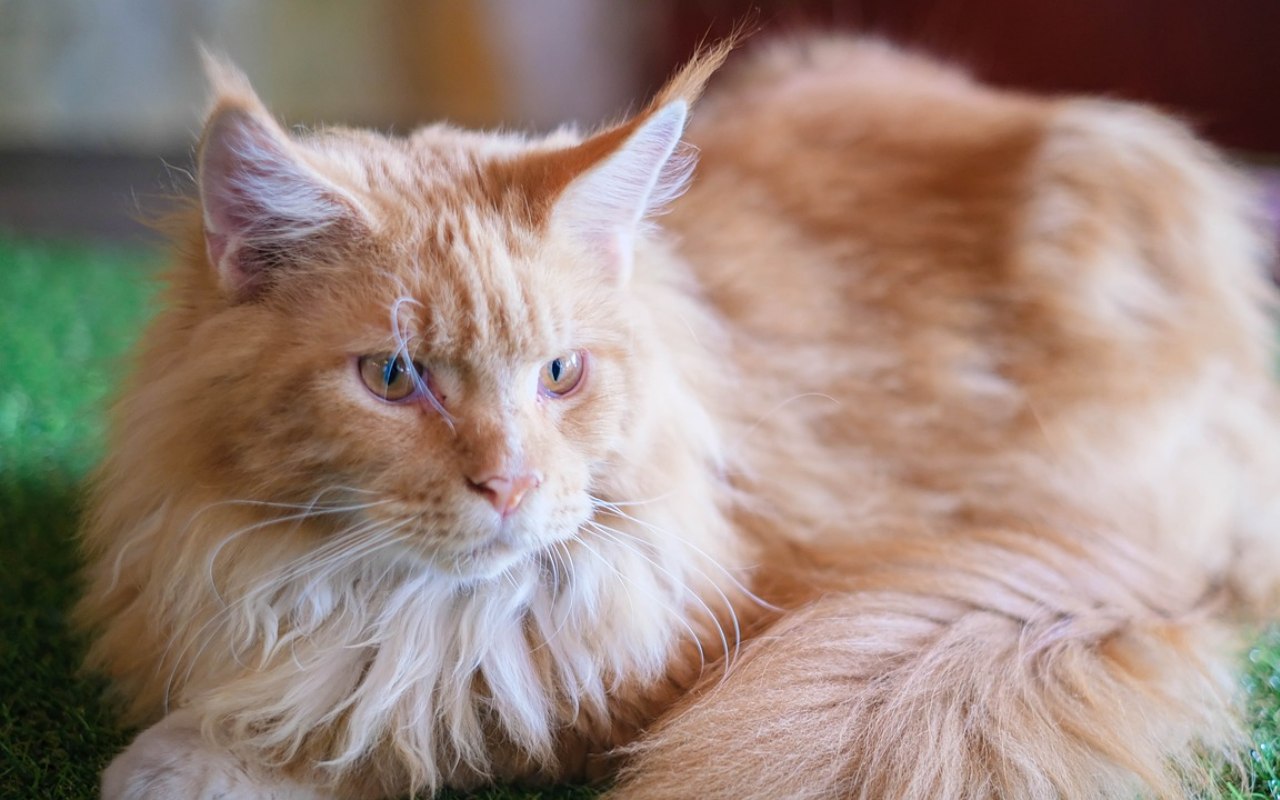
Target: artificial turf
column 68, row 314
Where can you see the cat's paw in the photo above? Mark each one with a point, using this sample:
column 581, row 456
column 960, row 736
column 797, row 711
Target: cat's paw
column 171, row 760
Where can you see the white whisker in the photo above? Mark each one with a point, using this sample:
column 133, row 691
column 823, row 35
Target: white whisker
column 306, row 513
column 616, row 510
column 615, row 536
column 349, row 546
column 403, row 350
column 675, row 614
column 804, row 395
column 555, row 554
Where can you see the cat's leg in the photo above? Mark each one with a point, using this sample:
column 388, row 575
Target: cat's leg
column 172, row 760
column 976, row 676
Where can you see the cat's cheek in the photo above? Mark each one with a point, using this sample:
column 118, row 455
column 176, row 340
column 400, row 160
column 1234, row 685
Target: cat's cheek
column 573, row 504
column 588, row 426
column 172, row 760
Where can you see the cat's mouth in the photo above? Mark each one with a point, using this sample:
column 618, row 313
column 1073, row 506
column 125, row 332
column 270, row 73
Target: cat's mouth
column 481, row 547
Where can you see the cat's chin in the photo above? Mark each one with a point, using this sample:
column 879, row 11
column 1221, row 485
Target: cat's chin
column 488, row 561
column 493, row 552
column 483, row 563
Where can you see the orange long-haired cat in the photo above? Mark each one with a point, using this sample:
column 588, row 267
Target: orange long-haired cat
column 927, row 448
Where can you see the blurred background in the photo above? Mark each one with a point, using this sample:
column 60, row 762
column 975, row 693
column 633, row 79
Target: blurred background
column 100, row 99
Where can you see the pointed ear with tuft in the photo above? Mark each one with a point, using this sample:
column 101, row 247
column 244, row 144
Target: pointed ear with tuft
column 264, row 209
column 605, row 206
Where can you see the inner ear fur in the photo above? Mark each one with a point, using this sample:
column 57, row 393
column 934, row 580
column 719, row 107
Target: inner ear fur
column 603, row 189
column 263, row 208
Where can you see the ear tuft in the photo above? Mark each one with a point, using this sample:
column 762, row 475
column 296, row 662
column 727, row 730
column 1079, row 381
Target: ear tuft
column 226, row 81
column 633, row 171
column 263, row 207
column 690, row 80
column 606, row 206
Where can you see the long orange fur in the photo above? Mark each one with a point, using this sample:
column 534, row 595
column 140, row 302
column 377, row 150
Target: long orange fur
column 928, row 449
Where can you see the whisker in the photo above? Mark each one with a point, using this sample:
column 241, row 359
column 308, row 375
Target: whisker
column 608, row 533
column 314, row 504
column 335, row 551
column 756, row 425
column 274, row 587
column 402, row 349
column 555, row 554
column 211, row 561
column 227, row 608
column 702, row 657
column 355, row 543
column 315, row 500
column 728, row 605
column 614, row 509
column 596, row 501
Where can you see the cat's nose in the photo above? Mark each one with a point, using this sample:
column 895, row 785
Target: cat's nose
column 505, row 492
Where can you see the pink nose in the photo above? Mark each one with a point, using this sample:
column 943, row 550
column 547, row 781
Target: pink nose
column 504, row 492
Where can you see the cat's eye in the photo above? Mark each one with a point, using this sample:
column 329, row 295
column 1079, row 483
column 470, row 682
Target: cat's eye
column 561, row 375
column 390, row 377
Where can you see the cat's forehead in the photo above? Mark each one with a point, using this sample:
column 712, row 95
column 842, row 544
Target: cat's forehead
column 436, row 188
column 471, row 289
column 459, row 267
column 435, row 166
column 458, row 270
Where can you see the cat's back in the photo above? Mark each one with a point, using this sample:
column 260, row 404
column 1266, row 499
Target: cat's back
column 922, row 275
column 823, row 162
column 852, row 193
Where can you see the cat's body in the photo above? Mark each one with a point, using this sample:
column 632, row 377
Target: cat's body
column 943, row 416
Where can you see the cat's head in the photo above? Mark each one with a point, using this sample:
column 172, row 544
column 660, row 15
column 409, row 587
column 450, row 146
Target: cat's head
column 438, row 329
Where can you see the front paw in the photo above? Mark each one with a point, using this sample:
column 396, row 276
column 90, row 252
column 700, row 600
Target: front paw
column 171, row 761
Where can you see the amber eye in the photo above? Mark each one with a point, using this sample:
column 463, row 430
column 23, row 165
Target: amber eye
column 560, row 376
column 391, row 377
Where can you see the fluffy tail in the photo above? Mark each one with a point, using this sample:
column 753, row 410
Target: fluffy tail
column 1000, row 666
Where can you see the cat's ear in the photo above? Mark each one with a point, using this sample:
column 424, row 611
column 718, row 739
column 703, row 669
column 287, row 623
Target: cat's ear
column 264, row 208
column 606, row 205
column 609, row 185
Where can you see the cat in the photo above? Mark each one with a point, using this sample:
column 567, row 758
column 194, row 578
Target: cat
column 923, row 443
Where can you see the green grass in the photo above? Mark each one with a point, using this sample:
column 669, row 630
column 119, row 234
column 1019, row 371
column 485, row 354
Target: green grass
column 67, row 315
column 1262, row 680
